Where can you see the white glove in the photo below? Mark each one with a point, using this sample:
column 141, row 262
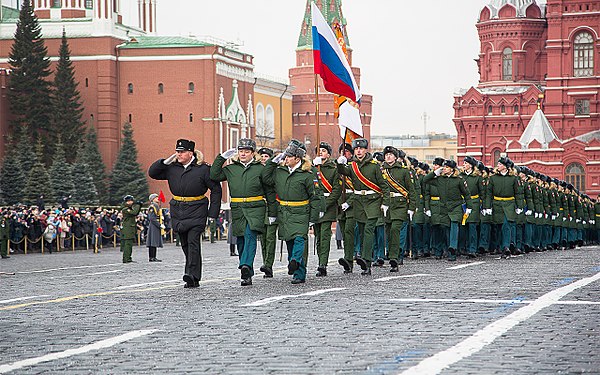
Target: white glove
column 577, row 221
column 570, row 219
column 428, row 213
column 553, row 217
column 278, row 158
column 468, row 211
column 384, row 208
column 518, row 211
column 536, row 215
column 410, row 214
column 483, row 213
column 545, row 216
column 528, row 213
column 272, row 220
column 321, row 214
column 488, row 211
column 170, row 159
column 342, row 160
column 438, row 171
column 345, row 206
column 229, row 153
column 310, row 224
column 317, row 161
column 564, row 219
column 162, row 226
column 584, row 222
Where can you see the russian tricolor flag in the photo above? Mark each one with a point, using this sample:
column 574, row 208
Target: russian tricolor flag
column 329, row 59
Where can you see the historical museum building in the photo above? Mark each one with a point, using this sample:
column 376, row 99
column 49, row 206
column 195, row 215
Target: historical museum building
column 303, row 79
column 166, row 87
column 537, row 99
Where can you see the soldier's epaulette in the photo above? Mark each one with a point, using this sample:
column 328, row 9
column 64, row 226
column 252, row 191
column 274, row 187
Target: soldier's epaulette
column 374, row 161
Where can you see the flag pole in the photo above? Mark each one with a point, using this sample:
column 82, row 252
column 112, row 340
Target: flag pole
column 317, row 114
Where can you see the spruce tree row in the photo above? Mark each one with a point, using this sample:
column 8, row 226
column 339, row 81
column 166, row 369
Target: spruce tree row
column 47, row 114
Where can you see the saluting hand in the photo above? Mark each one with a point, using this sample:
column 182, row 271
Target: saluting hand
column 278, row 158
column 229, row 153
column 317, row 161
column 170, row 159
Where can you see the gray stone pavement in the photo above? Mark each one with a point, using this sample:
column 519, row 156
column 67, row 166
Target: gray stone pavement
column 352, row 324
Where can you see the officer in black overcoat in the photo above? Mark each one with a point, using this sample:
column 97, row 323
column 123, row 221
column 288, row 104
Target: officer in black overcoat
column 189, row 180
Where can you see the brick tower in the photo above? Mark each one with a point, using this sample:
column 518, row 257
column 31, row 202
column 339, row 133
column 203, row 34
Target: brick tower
column 303, row 79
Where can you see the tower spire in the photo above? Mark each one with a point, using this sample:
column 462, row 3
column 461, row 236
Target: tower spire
column 332, row 11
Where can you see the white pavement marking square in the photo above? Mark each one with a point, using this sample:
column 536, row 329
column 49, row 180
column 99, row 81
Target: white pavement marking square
column 402, row 277
column 71, row 352
column 487, row 335
column 266, row 301
column 464, row 265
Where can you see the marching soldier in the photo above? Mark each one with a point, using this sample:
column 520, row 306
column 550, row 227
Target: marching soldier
column 346, row 213
column 300, row 205
column 486, row 220
column 597, row 218
column 129, row 210
column 433, row 209
column 402, row 205
column 372, row 195
column 472, row 177
column 248, row 197
column 379, row 240
column 421, row 221
column 331, row 185
column 503, row 202
column 188, row 176
column 269, row 238
column 452, row 188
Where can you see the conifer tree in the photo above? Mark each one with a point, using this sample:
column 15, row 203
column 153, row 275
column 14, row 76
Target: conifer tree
column 90, row 155
column 38, row 180
column 12, row 178
column 66, row 103
column 24, row 149
column 61, row 173
column 29, row 94
column 85, row 191
column 127, row 176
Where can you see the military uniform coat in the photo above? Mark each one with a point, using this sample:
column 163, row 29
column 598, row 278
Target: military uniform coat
column 367, row 206
column 128, row 227
column 453, row 194
column 503, row 186
column 328, row 171
column 298, row 186
column 420, row 217
column 400, row 205
column 243, row 182
column 192, row 181
column 154, row 236
column 475, row 184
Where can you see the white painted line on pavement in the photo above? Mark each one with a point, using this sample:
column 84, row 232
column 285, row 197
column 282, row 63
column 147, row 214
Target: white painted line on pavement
column 485, row 336
column 450, row 300
column 70, row 268
column 577, row 303
column 23, row 298
column 279, row 298
column 163, row 282
column 402, row 277
column 464, row 265
column 84, row 275
column 71, row 352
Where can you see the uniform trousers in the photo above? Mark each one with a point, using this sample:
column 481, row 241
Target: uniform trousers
column 367, row 233
column 127, row 249
column 484, row 236
column 396, row 233
column 298, row 251
column 323, row 238
column 247, row 248
column 348, row 224
column 379, row 242
column 269, row 241
column 192, row 248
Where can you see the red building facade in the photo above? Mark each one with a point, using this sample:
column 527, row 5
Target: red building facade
column 302, row 77
column 536, row 56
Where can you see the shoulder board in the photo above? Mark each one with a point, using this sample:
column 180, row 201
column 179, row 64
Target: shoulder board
column 374, row 161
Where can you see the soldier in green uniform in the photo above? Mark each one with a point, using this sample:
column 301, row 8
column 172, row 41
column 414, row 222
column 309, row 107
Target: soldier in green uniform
column 300, row 205
column 402, row 204
column 331, row 185
column 454, row 194
column 472, row 177
column 248, row 200
column 596, row 221
column 346, row 213
column 269, row 238
column 129, row 210
column 372, row 195
column 420, row 222
column 379, row 239
column 520, row 222
column 433, row 210
column 504, row 202
column 486, row 220
column 4, row 234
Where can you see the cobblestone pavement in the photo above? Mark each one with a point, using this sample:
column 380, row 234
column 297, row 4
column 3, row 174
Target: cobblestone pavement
column 89, row 313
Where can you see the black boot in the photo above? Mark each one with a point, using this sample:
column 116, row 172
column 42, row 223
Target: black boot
column 268, row 272
column 232, row 250
column 321, row 271
column 339, row 244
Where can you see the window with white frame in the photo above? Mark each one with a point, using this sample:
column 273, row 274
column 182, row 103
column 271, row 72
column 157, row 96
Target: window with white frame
column 507, row 63
column 583, row 55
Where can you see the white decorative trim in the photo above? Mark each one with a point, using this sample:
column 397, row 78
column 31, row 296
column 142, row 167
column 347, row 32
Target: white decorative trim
column 469, row 154
column 235, row 72
column 537, row 150
column 582, row 93
column 185, row 58
column 592, row 149
column 576, row 87
column 541, row 162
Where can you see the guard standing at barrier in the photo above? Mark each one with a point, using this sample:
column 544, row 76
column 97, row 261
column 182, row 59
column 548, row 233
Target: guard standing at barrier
column 156, row 227
column 248, row 200
column 4, row 234
column 188, row 176
column 129, row 210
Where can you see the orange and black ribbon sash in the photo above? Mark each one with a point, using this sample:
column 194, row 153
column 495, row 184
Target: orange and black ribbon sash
column 324, row 181
column 393, row 183
column 348, row 182
column 364, row 180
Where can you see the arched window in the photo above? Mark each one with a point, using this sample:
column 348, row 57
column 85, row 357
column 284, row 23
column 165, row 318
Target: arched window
column 583, row 55
column 129, row 118
column 516, row 109
column 489, row 110
column 575, row 174
column 160, row 118
column 56, row 3
column 503, row 109
column 130, row 88
column 269, row 122
column 161, row 88
column 260, row 120
column 496, row 157
column 87, row 82
column 191, row 88
column 191, row 117
column 507, row 64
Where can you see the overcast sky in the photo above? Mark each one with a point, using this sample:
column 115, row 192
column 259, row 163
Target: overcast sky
column 413, row 55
